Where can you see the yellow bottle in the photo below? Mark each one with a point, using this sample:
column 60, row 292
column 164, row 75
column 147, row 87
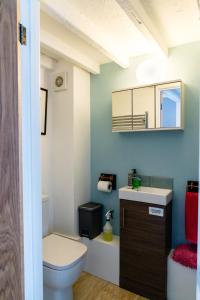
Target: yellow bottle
column 107, row 229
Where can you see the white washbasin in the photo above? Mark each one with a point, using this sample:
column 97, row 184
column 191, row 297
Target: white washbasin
column 146, row 194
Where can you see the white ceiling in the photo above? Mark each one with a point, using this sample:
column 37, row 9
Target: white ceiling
column 109, row 19
column 98, row 31
column 178, row 20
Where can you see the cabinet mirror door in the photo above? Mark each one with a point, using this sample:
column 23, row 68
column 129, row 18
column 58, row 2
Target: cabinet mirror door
column 122, row 110
column 143, row 108
column 169, row 105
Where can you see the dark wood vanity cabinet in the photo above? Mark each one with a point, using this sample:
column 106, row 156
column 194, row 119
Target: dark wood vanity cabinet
column 145, row 242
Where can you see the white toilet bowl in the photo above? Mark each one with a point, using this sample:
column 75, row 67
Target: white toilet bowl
column 63, row 261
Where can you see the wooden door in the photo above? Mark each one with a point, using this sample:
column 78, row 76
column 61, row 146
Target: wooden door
column 11, row 257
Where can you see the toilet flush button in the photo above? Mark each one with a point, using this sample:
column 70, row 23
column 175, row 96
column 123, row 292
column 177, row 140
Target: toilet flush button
column 155, row 211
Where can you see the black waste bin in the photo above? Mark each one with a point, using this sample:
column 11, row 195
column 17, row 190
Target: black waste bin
column 90, row 219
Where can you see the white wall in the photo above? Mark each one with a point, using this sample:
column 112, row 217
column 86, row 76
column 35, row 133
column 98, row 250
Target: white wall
column 66, row 147
column 44, row 83
column 46, row 140
column 81, row 86
column 62, row 155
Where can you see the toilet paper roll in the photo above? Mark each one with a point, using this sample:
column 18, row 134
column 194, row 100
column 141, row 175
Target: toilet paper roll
column 104, row 186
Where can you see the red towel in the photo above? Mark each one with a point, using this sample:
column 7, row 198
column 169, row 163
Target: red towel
column 191, row 216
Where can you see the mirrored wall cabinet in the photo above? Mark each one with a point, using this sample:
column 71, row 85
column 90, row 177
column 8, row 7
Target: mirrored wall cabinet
column 157, row 106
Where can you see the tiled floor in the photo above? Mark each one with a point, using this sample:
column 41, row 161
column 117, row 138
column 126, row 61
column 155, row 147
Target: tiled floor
column 89, row 287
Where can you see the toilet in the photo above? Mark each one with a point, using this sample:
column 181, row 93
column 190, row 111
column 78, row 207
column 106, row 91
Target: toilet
column 63, row 261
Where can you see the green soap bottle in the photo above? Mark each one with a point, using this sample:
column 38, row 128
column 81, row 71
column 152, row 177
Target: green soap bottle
column 136, row 181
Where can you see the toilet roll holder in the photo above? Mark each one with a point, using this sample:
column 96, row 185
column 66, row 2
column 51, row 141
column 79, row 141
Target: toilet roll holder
column 193, row 186
column 109, row 177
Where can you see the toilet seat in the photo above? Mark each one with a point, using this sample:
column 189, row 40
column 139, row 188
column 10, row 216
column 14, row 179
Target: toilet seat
column 61, row 253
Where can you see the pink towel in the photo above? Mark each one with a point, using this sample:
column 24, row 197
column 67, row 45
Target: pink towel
column 186, row 255
column 191, row 217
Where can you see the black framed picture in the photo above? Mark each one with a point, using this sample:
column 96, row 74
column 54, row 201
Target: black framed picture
column 43, row 110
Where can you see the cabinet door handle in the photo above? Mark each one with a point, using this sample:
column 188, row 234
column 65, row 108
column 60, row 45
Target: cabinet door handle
column 123, row 217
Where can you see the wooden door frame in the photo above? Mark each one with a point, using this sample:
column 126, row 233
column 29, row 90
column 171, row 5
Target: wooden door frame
column 32, row 204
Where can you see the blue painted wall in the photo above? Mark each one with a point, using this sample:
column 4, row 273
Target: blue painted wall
column 169, row 154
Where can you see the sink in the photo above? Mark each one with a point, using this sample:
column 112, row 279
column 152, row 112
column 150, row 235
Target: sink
column 146, row 194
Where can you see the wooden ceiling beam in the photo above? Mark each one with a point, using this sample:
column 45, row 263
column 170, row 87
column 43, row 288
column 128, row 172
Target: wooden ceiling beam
column 58, row 47
column 64, row 13
column 137, row 14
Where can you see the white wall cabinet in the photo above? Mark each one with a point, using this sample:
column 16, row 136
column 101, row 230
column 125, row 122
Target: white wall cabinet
column 169, row 105
column 122, row 110
column 144, row 107
column 147, row 108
